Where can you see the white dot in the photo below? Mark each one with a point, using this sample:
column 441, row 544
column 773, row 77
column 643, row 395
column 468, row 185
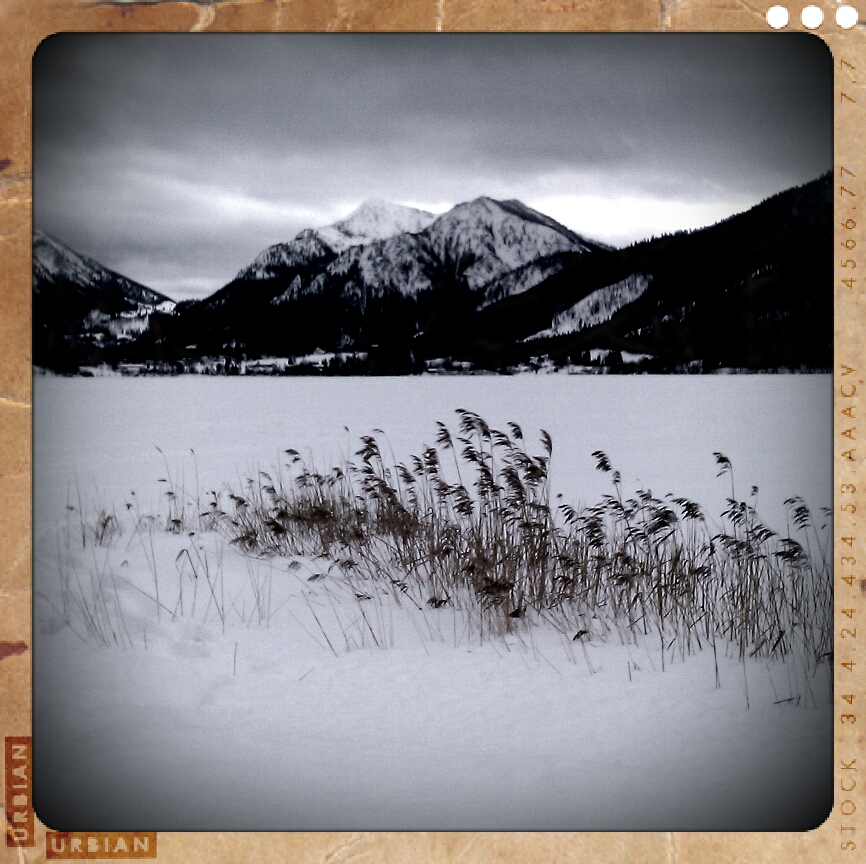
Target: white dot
column 812, row 17
column 846, row 17
column 777, row 17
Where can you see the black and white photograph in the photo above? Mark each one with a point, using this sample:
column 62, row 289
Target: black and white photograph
column 432, row 432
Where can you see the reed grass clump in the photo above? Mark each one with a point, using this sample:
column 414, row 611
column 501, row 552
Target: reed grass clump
column 469, row 523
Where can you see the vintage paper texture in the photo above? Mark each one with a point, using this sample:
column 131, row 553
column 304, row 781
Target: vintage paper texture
column 25, row 23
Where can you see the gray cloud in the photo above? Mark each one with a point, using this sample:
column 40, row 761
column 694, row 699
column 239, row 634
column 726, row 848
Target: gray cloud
column 175, row 159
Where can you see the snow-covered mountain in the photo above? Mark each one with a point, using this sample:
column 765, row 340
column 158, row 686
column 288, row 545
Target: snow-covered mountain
column 304, row 250
column 373, row 220
column 493, row 248
column 81, row 307
column 382, row 246
column 488, row 283
column 484, row 240
column 382, row 273
column 55, row 263
column 403, row 265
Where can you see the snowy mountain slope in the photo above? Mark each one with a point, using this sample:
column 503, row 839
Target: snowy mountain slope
column 289, row 294
column 597, row 307
column 493, row 248
column 403, row 264
column 373, row 220
column 523, row 278
column 55, row 263
column 305, row 249
column 481, row 241
column 398, row 248
column 753, row 291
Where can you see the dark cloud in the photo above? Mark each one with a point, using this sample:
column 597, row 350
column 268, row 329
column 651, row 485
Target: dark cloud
column 179, row 157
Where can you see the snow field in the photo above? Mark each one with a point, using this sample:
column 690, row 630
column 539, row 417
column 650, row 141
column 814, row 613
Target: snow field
column 272, row 694
column 259, row 723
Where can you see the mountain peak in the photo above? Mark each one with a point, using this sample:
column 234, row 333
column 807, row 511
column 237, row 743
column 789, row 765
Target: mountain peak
column 512, row 207
column 373, row 206
column 484, row 239
column 374, row 219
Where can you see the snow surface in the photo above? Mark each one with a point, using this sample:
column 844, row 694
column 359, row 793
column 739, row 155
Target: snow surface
column 597, row 307
column 259, row 725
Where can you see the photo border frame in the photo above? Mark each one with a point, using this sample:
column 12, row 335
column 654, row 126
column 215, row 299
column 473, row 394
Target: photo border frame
column 27, row 22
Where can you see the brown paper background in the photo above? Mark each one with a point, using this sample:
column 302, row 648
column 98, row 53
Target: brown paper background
column 24, row 23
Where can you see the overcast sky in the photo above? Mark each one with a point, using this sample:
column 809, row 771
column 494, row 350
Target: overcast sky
column 176, row 159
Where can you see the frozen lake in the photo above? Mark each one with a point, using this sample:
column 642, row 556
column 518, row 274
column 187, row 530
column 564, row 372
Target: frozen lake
column 660, row 432
column 197, row 726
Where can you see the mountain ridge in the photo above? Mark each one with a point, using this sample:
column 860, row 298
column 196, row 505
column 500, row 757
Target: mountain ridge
column 54, row 261
column 492, row 283
column 304, row 295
